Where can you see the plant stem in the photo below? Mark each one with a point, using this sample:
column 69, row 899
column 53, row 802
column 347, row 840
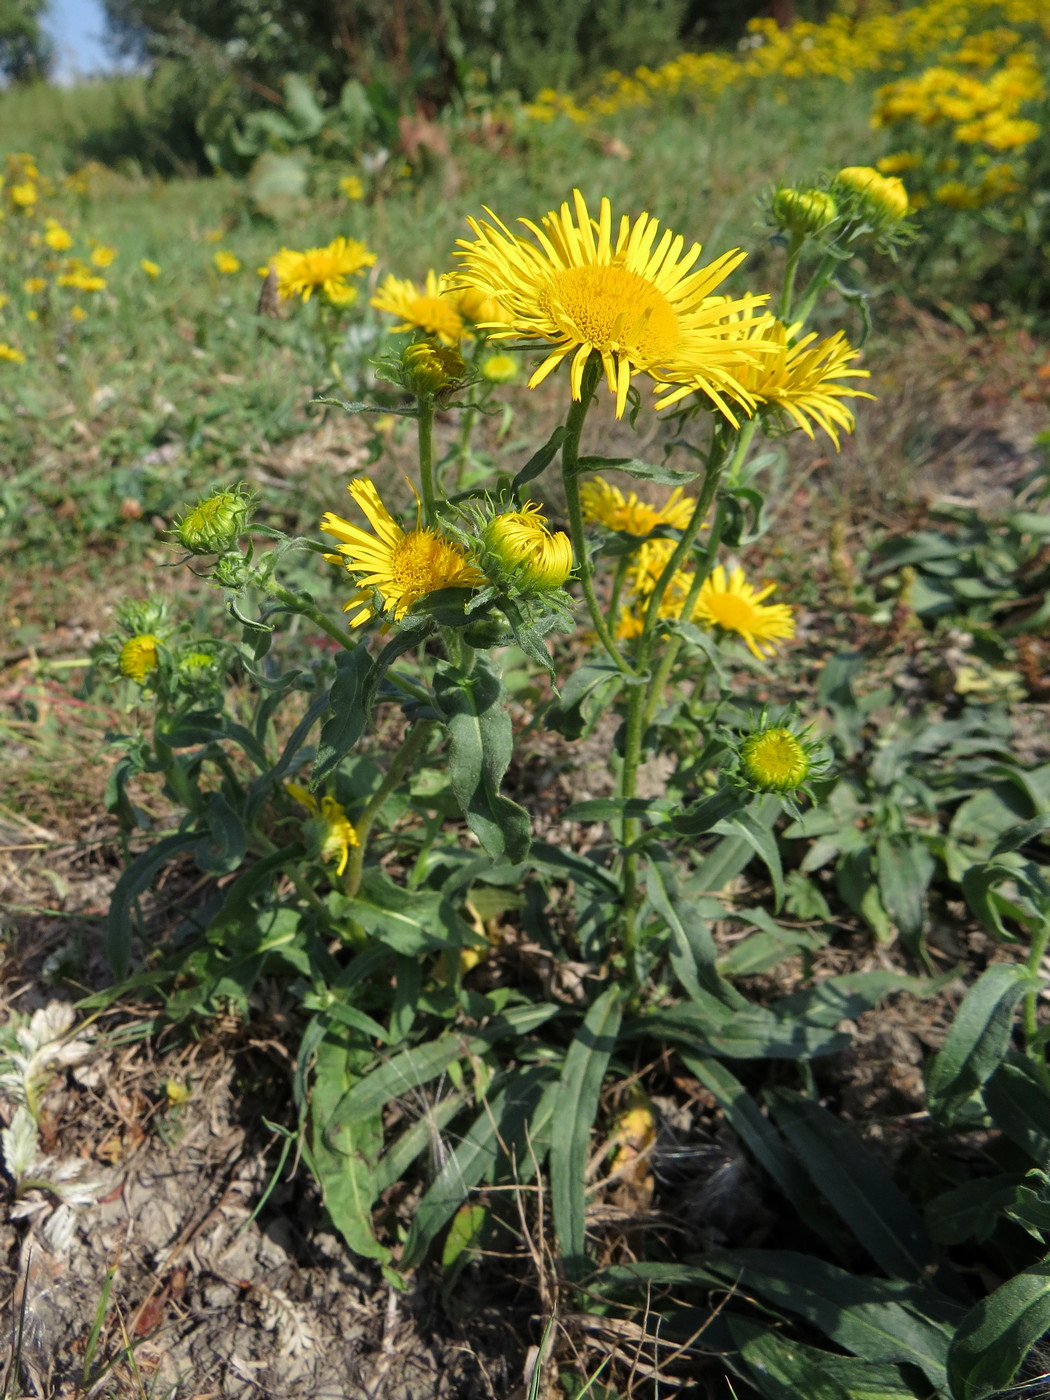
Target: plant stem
column 640, row 706
column 790, row 272
column 619, row 578
column 570, row 470
column 426, row 457
column 814, row 288
column 1031, row 1002
column 402, row 760
column 294, row 603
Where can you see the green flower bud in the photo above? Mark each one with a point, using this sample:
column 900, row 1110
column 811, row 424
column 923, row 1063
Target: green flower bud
column 233, row 571
column 431, row 370
column 216, row 522
column 804, row 211
column 776, row 756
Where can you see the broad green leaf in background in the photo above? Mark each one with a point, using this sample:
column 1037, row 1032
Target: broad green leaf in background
column 349, row 712
column 133, row 882
column 759, row 836
column 692, row 953
column 576, row 1105
column 905, row 869
column 994, row 1338
column 977, row 1041
column 409, row 921
column 1016, row 1099
column 481, row 748
column 784, row 1369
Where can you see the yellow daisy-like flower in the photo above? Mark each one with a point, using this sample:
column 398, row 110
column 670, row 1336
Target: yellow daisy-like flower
column 803, row 378
column 24, row 195
column 338, row 833
column 81, row 281
column 225, row 262
column 351, row 186
column 732, row 603
column 403, row 566
column 321, row 270
column 475, row 306
column 605, row 504
column 499, row 369
column 11, row 354
column 138, row 657
column 775, row 760
column 520, row 539
column 102, row 255
column 34, row 285
column 77, row 313
column 430, row 310
column 631, row 299
column 151, row 269
column 58, row 238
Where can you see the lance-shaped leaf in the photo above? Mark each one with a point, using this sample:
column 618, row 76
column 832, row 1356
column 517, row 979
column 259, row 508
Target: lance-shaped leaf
column 473, row 708
column 349, row 710
column 994, row 1338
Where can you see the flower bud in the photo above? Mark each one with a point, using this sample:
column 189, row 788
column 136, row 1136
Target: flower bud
column 429, row 370
column 520, row 541
column 233, row 571
column 216, row 522
column 882, row 198
column 804, row 211
column 138, row 657
column 775, row 756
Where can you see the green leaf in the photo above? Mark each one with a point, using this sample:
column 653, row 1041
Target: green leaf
column 223, row 848
column 705, row 815
column 905, row 869
column 978, row 1040
column 587, row 693
column 610, row 809
column 873, row 1318
column 714, row 1029
column 858, row 1187
column 847, row 996
column 341, row 731
column 577, row 1103
column 972, row 1210
column 765, row 1144
column 771, row 945
column 692, row 947
column 1019, row 1106
column 409, row 921
column 539, row 461
column 1020, row 836
column 424, row 1134
column 761, row 840
column 342, row 1154
column 779, row 1368
column 635, row 467
column 137, row 878
column 481, row 748
column 994, row 1338
column 500, row 1129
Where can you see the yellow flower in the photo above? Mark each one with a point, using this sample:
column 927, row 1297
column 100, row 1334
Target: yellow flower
column 77, row 277
column 774, row 760
column 801, row 379
column 499, row 369
column 402, row 566
column 24, row 195
column 337, row 831
column 151, row 269
column 32, row 315
column 730, row 602
column 9, row 353
column 900, row 163
column 429, row 370
column 475, row 305
column 102, row 255
column 352, row 187
column 138, row 657
column 605, row 504
column 225, row 262
column 34, row 285
column 77, row 313
column 58, row 238
column 431, row 310
column 633, row 300
column 520, row 540
column 321, row 270
column 882, row 197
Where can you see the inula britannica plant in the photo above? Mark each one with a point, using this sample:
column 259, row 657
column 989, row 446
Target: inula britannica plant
column 357, row 810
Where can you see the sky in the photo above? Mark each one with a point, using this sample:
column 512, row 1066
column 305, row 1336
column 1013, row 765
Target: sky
column 76, row 26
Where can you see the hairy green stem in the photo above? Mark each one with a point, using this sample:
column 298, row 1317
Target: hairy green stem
column 296, row 604
column 619, row 579
column 570, row 470
column 814, row 287
column 790, row 272
column 411, row 745
column 425, row 424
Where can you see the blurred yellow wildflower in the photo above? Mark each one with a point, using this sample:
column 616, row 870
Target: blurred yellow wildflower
column 499, row 369
column 432, row 310
column 77, row 313
column 226, row 263
column 352, row 187
column 151, row 269
column 25, row 195
column 102, row 255
column 322, row 270
column 337, row 831
column 605, row 504
column 34, row 285
column 57, row 238
column 11, row 354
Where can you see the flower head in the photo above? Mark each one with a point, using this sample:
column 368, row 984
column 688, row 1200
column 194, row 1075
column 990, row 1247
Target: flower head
column 499, row 369
column 521, row 542
column 139, row 658
column 102, row 255
column 151, row 269
column 633, row 300
column 431, row 370
column 216, row 522
column 803, row 380
column 322, row 270
column 24, row 196
column 430, row 310
column 351, row 186
column 225, row 262
column 730, row 602
column 775, row 755
column 57, row 238
column 402, row 566
column 804, row 211
column 335, row 831
column 34, row 285
column 605, row 504
column 11, row 354
column 882, row 198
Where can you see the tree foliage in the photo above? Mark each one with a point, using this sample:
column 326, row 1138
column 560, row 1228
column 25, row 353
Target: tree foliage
column 26, row 52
